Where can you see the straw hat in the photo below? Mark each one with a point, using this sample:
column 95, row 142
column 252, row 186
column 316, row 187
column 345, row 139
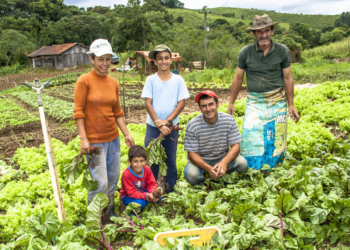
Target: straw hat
column 261, row 22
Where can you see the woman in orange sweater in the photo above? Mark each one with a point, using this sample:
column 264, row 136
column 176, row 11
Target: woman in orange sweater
column 98, row 115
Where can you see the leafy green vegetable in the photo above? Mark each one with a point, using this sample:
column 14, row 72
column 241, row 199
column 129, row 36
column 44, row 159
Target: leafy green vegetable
column 156, row 155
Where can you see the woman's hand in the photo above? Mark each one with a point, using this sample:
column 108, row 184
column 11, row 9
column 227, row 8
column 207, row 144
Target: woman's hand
column 129, row 141
column 85, row 146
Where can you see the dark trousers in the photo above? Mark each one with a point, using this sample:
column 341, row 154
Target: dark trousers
column 170, row 146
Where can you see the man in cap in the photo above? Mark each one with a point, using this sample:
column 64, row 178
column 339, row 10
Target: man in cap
column 165, row 94
column 212, row 141
column 270, row 86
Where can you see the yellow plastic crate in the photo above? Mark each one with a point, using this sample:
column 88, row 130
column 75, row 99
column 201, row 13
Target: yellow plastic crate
column 204, row 235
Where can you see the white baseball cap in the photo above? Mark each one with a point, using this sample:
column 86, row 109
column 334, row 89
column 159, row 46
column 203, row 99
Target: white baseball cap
column 100, row 47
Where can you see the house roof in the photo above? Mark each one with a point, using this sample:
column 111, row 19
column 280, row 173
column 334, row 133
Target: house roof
column 174, row 56
column 52, row 50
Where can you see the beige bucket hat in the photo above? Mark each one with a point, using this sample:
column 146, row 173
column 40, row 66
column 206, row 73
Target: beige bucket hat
column 260, row 22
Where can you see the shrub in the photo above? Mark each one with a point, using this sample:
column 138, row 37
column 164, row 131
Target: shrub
column 180, row 19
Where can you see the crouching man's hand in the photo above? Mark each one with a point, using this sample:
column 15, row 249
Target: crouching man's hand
column 220, row 169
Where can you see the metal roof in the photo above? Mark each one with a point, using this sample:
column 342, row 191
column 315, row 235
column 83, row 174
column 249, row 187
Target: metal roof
column 52, row 50
column 174, row 56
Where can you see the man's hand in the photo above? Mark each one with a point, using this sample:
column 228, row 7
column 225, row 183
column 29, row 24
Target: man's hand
column 85, row 146
column 220, row 169
column 293, row 113
column 212, row 172
column 231, row 109
column 129, row 141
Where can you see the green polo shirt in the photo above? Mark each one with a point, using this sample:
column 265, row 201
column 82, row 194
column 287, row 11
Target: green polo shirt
column 264, row 73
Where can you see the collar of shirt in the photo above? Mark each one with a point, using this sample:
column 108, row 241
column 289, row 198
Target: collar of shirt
column 136, row 174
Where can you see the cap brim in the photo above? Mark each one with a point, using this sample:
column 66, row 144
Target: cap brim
column 151, row 53
column 196, row 99
column 98, row 54
column 262, row 27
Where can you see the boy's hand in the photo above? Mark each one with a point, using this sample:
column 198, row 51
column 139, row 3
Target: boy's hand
column 160, row 123
column 150, row 197
column 155, row 200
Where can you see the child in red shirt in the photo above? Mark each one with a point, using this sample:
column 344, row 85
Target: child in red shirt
column 138, row 181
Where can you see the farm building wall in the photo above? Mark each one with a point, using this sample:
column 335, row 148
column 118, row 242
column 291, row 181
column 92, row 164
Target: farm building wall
column 67, row 59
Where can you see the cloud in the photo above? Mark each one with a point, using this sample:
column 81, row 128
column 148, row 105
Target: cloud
column 330, row 7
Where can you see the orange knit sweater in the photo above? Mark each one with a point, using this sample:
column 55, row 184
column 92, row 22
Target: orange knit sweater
column 96, row 99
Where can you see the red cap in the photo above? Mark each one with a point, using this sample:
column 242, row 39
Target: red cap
column 206, row 92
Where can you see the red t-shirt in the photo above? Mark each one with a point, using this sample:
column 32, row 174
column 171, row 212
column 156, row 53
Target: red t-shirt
column 137, row 187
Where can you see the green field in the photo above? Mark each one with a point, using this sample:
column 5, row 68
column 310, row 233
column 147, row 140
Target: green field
column 308, row 193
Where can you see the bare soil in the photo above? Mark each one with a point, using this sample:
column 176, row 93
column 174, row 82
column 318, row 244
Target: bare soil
column 10, row 80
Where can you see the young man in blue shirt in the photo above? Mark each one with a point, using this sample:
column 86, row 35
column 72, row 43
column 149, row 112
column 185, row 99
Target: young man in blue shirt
column 165, row 94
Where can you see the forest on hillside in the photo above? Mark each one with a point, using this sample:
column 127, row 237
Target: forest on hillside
column 26, row 25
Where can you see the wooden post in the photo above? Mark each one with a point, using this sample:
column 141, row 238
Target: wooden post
column 137, row 66
column 123, row 95
column 56, row 176
column 50, row 159
column 42, row 62
column 124, row 88
column 143, row 62
column 79, row 56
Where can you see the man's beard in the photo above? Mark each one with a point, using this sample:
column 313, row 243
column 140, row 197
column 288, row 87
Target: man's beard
column 264, row 44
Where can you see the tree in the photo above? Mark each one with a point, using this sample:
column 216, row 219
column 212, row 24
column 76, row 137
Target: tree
column 219, row 22
column 142, row 25
column 229, row 15
column 338, row 34
column 180, row 19
column 303, row 30
column 326, row 37
column 343, row 19
column 172, row 3
column 12, row 42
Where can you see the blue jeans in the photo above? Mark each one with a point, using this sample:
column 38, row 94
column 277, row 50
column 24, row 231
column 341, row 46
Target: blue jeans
column 127, row 199
column 170, row 146
column 106, row 169
column 194, row 174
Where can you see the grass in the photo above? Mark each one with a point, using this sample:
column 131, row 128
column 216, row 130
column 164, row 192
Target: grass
column 339, row 49
column 318, row 71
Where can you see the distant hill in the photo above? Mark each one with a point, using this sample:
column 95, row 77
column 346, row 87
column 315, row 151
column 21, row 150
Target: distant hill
column 314, row 21
column 192, row 17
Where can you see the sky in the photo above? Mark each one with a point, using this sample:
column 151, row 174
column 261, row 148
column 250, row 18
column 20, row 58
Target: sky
column 330, row 7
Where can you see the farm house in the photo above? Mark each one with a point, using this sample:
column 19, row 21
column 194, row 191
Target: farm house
column 59, row 56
